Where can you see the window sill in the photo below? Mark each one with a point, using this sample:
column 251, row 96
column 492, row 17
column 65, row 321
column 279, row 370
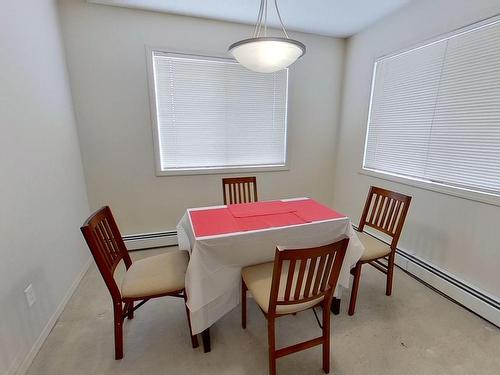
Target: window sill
column 434, row 186
column 210, row 171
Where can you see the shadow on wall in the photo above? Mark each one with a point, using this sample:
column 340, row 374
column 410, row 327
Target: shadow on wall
column 429, row 239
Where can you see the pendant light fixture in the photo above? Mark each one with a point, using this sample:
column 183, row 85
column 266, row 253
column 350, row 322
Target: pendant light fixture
column 265, row 54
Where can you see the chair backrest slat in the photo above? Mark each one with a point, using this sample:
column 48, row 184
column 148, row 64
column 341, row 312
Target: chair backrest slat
column 239, row 190
column 319, row 274
column 316, row 277
column 392, row 225
column 310, row 275
column 291, row 273
column 385, row 211
column 375, row 205
column 392, row 205
column 107, row 237
column 324, row 278
column 300, row 278
column 245, row 191
column 379, row 210
column 383, row 217
column 106, row 245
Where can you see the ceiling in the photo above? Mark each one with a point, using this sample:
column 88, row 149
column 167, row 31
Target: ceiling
column 338, row 18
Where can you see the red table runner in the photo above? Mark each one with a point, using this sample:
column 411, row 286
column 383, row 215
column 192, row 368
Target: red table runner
column 259, row 215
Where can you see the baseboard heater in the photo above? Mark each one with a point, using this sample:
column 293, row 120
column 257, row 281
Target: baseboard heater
column 452, row 280
column 150, row 240
column 466, row 295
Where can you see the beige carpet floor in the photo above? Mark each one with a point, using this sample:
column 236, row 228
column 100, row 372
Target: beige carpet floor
column 416, row 331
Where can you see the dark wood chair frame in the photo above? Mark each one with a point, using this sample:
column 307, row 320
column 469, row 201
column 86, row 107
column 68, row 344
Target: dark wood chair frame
column 386, row 212
column 239, row 190
column 108, row 249
column 330, row 259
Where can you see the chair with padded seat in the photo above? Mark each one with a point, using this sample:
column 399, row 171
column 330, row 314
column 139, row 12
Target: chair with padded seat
column 386, row 212
column 297, row 280
column 239, row 190
column 152, row 277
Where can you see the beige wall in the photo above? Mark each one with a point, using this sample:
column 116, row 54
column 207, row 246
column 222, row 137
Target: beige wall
column 458, row 235
column 42, row 191
column 105, row 49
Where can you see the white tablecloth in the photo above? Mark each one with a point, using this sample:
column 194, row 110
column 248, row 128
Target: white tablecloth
column 213, row 274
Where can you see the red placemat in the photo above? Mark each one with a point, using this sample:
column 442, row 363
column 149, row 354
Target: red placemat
column 309, row 210
column 213, row 221
column 260, row 208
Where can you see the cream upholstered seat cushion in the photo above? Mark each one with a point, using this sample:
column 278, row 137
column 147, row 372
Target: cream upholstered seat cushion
column 155, row 275
column 373, row 248
column 258, row 280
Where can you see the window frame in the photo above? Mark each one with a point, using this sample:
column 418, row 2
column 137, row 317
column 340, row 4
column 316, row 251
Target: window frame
column 159, row 172
column 452, row 190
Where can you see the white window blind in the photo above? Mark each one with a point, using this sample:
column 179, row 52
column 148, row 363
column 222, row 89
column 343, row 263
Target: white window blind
column 435, row 112
column 214, row 114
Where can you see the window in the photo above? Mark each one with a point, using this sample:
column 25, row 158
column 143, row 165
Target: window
column 435, row 113
column 212, row 115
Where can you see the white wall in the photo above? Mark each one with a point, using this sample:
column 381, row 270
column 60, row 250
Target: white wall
column 458, row 235
column 42, row 189
column 107, row 65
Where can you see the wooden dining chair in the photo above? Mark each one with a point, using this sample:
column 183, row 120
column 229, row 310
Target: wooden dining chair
column 384, row 211
column 152, row 277
column 297, row 280
column 239, row 190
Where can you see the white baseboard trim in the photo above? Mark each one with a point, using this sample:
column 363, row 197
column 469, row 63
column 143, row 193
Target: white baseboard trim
column 25, row 364
column 150, row 240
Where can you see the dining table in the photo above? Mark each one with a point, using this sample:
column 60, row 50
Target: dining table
column 223, row 239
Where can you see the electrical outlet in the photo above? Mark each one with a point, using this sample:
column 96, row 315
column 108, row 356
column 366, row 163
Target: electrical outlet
column 29, row 292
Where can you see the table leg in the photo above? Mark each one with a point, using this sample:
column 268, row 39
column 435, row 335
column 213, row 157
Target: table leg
column 335, row 308
column 205, row 335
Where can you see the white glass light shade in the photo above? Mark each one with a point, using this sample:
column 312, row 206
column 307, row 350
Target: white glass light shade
column 267, row 54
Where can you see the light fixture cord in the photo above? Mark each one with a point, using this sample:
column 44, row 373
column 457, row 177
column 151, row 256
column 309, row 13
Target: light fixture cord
column 258, row 25
column 262, row 19
column 265, row 18
column 279, row 17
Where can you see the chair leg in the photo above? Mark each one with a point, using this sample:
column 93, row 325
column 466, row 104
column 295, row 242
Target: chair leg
column 243, row 304
column 130, row 310
column 194, row 338
column 326, row 339
column 205, row 336
column 272, row 345
column 390, row 274
column 335, row 307
column 118, row 310
column 355, row 286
